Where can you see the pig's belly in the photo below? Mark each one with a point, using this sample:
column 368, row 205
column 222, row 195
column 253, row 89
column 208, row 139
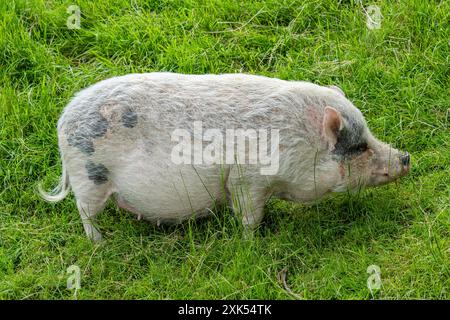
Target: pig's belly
column 166, row 194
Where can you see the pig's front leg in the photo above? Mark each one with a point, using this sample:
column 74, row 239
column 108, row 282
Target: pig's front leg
column 247, row 202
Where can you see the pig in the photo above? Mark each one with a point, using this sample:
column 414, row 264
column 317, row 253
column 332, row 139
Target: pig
column 116, row 140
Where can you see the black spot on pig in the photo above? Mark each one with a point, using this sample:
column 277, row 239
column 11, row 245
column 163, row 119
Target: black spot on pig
column 82, row 143
column 98, row 173
column 129, row 118
column 82, row 130
column 350, row 140
column 99, row 126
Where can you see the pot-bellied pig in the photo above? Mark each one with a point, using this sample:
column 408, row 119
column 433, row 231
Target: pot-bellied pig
column 170, row 146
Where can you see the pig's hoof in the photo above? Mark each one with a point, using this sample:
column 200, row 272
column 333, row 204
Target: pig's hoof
column 95, row 237
column 248, row 234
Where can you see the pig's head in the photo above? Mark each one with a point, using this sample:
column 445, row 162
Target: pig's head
column 352, row 157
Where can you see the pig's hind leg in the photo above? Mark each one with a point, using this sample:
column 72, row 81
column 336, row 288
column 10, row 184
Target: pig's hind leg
column 88, row 212
column 91, row 199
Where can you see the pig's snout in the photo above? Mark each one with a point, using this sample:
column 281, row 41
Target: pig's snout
column 389, row 165
column 405, row 160
column 400, row 167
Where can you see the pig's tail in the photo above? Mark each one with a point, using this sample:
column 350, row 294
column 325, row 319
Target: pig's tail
column 60, row 191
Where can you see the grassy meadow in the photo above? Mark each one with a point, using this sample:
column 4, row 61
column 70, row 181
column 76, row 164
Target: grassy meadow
column 397, row 74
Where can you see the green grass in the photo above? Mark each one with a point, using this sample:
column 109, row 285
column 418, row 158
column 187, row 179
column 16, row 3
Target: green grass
column 397, row 75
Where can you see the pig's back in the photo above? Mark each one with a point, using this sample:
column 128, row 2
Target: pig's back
column 151, row 106
column 164, row 93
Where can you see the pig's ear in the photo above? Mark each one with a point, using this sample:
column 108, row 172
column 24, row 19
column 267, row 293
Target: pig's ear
column 331, row 125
